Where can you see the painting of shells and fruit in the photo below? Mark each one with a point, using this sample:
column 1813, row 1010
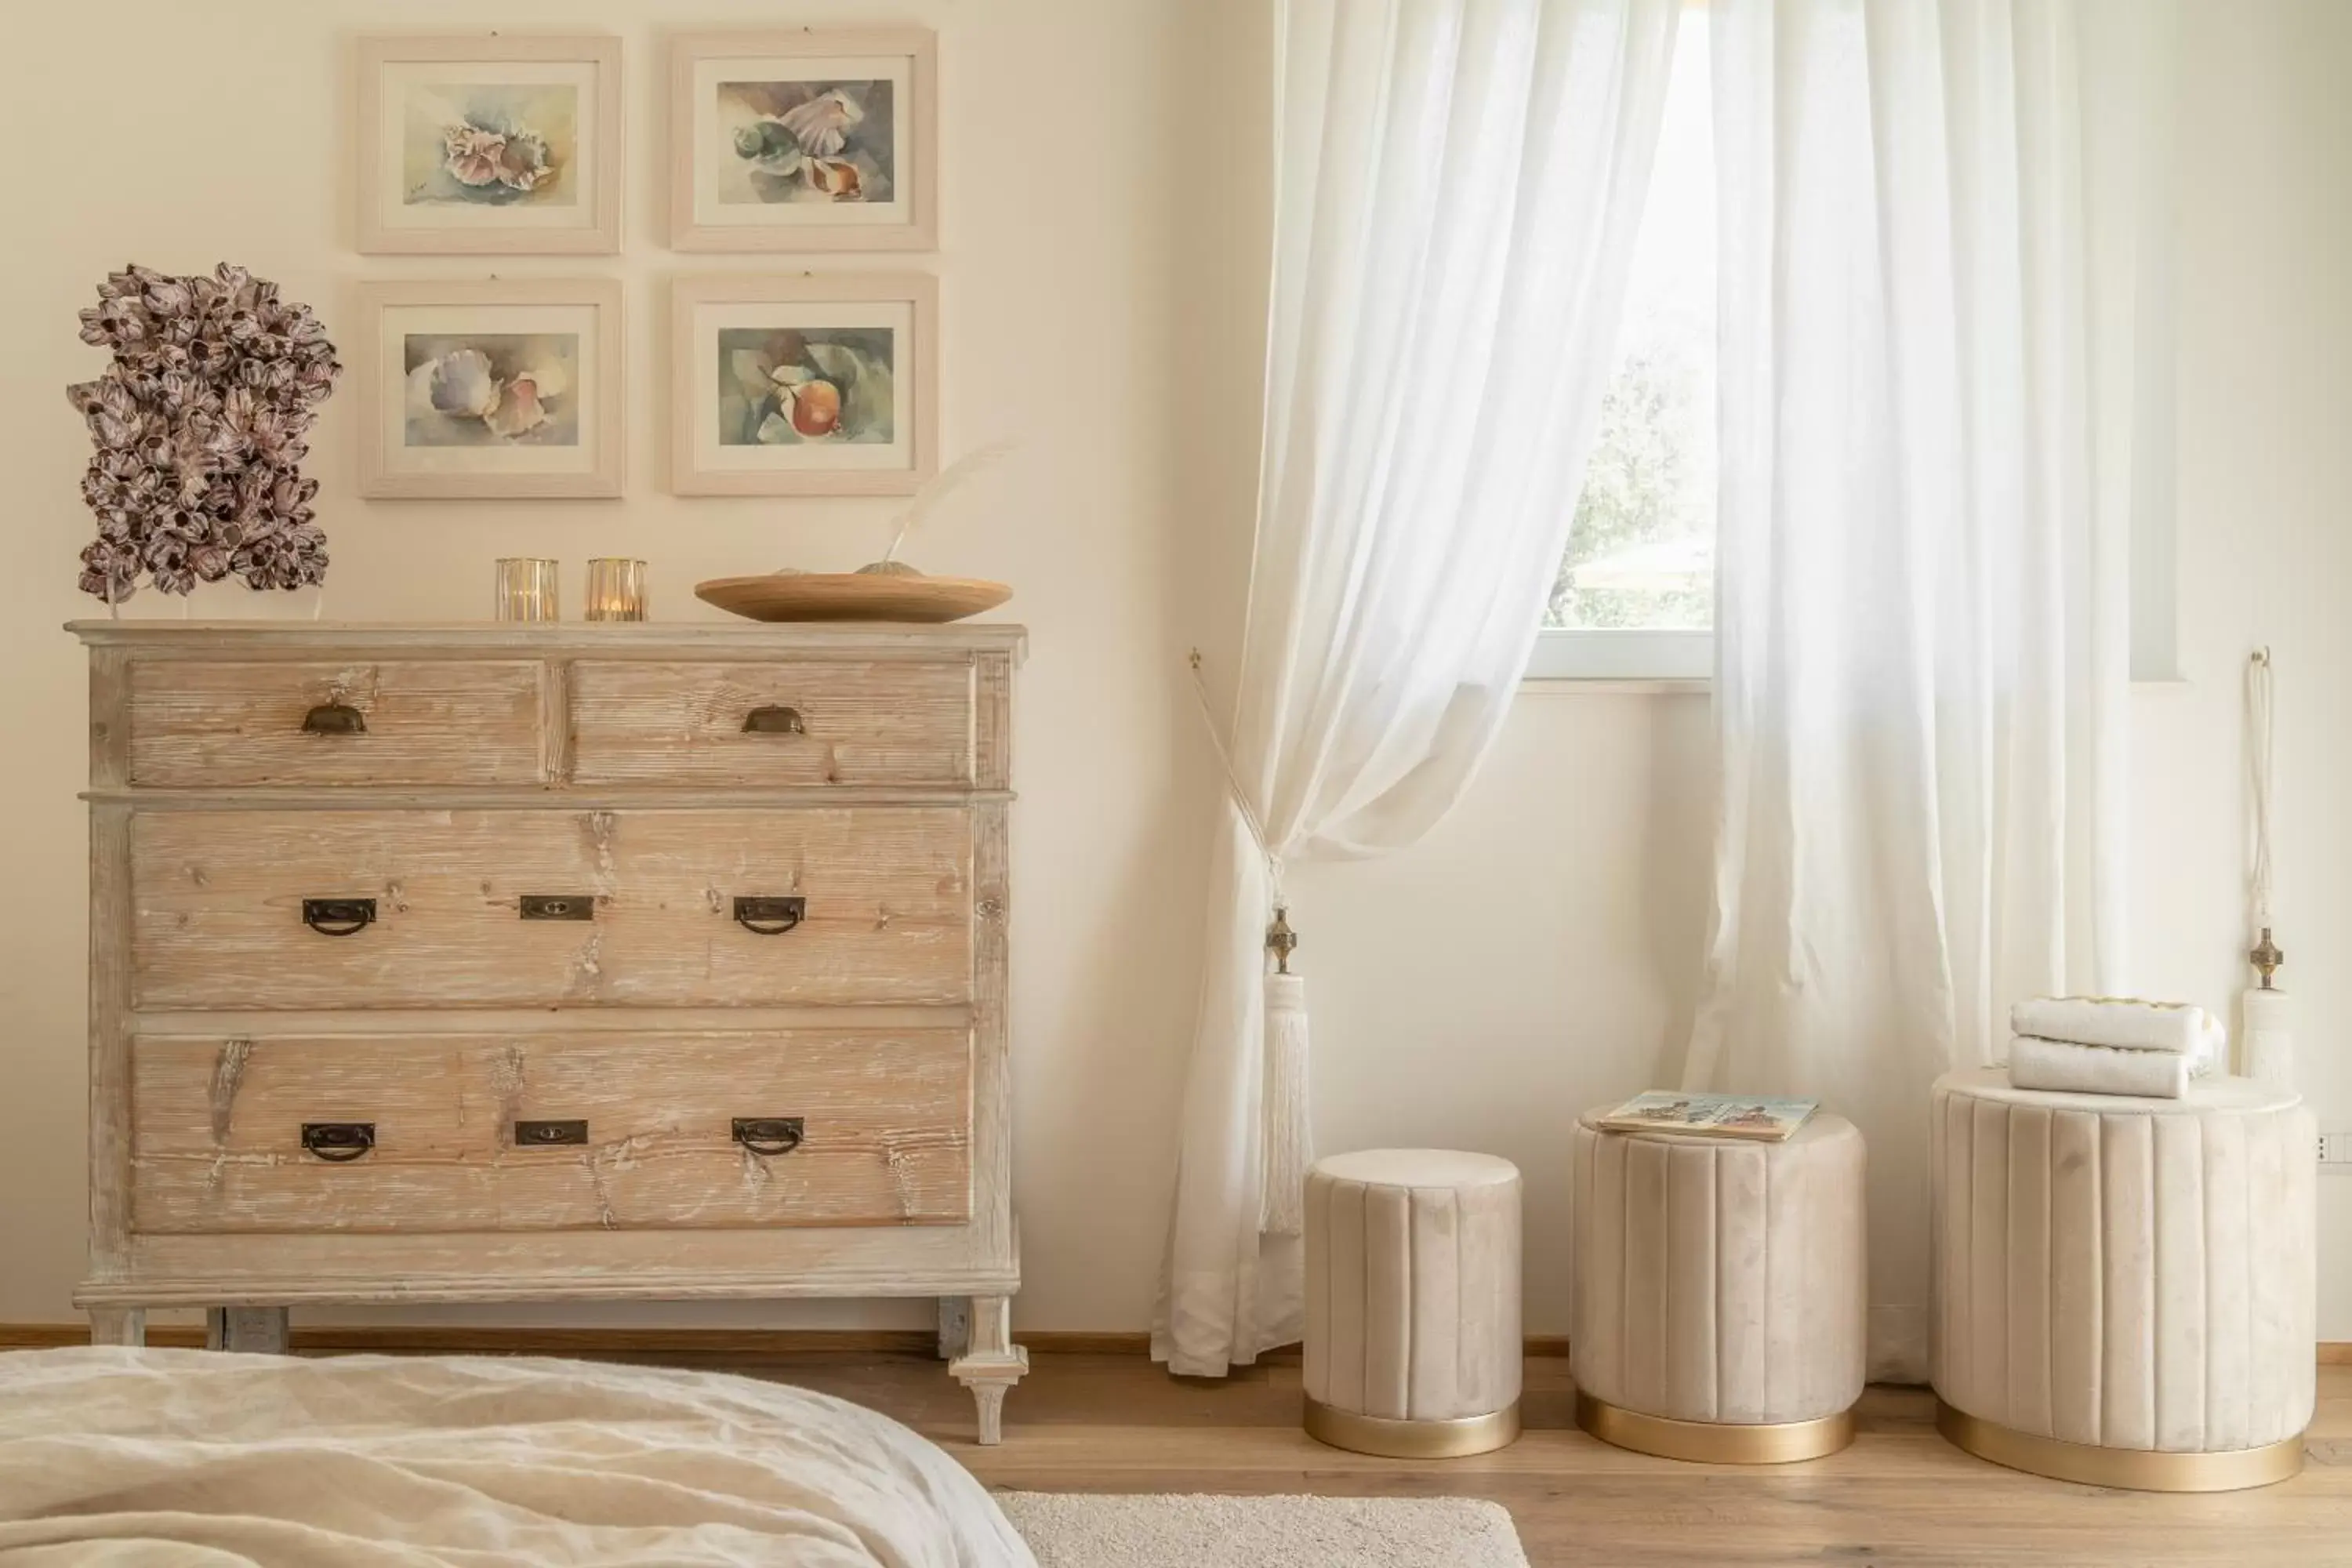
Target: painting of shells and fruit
column 802, row 385
column 780, row 387
column 489, row 145
column 803, row 141
column 491, row 389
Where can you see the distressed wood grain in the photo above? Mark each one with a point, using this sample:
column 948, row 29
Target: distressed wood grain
column 301, row 1267
column 217, row 908
column 216, row 1129
column 110, row 1040
column 585, row 639
column 428, row 722
column 863, row 723
column 606, row 762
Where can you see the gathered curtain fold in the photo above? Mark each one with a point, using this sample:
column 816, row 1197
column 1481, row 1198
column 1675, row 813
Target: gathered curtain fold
column 1457, row 189
column 1936, row 242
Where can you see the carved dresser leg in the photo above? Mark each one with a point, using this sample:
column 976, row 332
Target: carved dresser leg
column 260, row 1331
column 991, row 1362
column 117, row 1326
column 955, row 1326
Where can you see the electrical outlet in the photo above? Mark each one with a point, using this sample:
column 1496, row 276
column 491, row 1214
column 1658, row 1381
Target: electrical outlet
column 2336, row 1148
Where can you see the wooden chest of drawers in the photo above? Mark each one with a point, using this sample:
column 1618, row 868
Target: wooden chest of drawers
column 533, row 962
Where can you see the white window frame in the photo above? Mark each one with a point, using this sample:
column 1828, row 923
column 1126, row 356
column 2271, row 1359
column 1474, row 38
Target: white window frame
column 1570, row 660
column 1628, row 653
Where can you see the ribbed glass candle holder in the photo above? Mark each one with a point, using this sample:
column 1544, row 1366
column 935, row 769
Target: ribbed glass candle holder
column 526, row 589
column 616, row 589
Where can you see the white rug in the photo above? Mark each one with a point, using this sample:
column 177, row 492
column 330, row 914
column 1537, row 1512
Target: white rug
column 1078, row 1530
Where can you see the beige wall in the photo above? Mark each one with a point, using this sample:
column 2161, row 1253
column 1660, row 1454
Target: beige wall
column 1103, row 170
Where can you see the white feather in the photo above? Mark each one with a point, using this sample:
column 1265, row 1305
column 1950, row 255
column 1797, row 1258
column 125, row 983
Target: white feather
column 945, row 481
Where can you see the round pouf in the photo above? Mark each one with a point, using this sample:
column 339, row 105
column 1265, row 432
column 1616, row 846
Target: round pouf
column 1719, row 1299
column 2126, row 1288
column 1412, row 1303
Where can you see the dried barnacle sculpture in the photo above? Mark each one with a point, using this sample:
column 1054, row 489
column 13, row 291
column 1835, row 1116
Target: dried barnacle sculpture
column 198, row 425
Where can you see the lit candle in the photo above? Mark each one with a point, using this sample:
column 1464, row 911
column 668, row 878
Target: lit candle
column 616, row 589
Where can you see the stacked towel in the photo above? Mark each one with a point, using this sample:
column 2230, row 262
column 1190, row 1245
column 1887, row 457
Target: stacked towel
column 2101, row 1045
column 2121, row 1022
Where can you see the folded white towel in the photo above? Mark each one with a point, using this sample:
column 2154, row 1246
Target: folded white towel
column 2063, row 1065
column 2123, row 1022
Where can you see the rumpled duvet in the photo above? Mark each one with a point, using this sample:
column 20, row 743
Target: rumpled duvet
column 154, row 1457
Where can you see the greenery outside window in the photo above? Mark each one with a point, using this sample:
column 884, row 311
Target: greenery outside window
column 1636, row 594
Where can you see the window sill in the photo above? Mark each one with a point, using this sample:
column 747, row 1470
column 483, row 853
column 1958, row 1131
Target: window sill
column 1700, row 686
column 1614, row 686
column 1589, row 659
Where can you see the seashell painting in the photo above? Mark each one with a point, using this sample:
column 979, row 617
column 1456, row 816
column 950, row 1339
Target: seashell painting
column 804, row 140
column 489, row 389
column 503, row 143
column 803, row 386
column 823, row 141
column 469, row 144
column 789, row 387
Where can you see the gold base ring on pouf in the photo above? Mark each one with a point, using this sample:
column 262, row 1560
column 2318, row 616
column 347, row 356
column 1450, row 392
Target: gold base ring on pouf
column 1392, row 1439
column 2135, row 1469
column 1715, row 1442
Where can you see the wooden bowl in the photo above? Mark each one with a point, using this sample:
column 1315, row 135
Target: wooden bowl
column 852, row 597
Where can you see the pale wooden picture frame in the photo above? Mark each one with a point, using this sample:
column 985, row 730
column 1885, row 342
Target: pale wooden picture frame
column 716, row 204
column 719, row 322
column 507, row 219
column 476, row 343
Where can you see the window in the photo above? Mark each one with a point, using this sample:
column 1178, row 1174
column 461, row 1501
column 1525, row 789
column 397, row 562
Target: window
column 1636, row 594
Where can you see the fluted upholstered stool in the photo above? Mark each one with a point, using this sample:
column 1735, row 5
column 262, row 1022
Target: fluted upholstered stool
column 1412, row 1303
column 1719, row 1302
column 2126, row 1288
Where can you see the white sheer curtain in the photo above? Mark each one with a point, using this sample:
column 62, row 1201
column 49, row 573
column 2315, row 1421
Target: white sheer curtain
column 1458, row 185
column 1932, row 240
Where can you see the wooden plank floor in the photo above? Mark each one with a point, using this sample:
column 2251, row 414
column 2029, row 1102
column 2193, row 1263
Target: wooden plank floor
column 1899, row 1496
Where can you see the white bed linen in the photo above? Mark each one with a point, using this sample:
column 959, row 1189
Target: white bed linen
column 132, row 1457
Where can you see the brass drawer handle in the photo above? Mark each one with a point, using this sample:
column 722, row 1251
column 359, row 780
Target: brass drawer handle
column 768, row 1134
column 334, row 718
column 770, row 916
column 559, row 905
column 544, row 1134
column 338, row 917
column 338, row 1142
column 774, row 721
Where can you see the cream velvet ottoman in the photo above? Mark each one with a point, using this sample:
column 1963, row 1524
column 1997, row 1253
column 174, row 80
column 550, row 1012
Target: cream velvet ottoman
column 1412, row 1303
column 1719, row 1302
column 2126, row 1288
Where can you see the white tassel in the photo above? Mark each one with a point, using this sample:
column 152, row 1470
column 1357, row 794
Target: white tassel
column 1289, row 1135
column 1286, row 1132
column 2267, row 1055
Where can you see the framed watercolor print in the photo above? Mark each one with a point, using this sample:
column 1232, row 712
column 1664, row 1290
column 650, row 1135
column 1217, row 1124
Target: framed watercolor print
column 489, row 145
column 800, row 385
column 804, row 140
column 490, row 389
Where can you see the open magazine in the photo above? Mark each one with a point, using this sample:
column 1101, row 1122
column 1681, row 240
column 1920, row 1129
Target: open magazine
column 1711, row 1115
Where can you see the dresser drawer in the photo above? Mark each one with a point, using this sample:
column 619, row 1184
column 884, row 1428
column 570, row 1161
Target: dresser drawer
column 218, row 916
column 814, row 722
column 882, row 1120
column 416, row 721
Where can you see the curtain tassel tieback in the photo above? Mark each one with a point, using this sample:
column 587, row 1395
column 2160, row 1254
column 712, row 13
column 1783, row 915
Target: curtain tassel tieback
column 2266, row 1049
column 1287, row 1133
column 1290, row 1143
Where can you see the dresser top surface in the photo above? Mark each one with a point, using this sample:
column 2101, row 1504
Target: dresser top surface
column 685, row 639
